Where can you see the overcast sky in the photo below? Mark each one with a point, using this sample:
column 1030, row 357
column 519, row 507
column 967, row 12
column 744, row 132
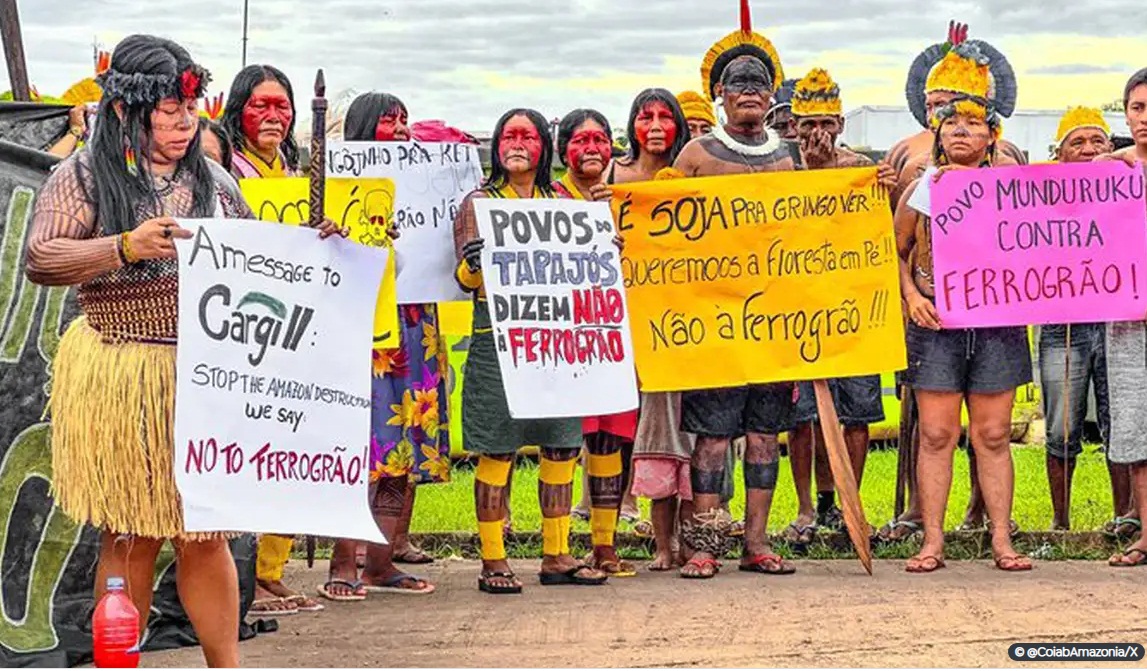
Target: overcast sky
column 467, row 61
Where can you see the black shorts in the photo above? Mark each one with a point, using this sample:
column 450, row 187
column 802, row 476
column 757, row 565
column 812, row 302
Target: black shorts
column 858, row 401
column 970, row 361
column 735, row 411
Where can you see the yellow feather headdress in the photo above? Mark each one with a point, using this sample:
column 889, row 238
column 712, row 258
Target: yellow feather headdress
column 1080, row 117
column 695, row 106
column 817, row 95
column 963, row 69
column 743, row 42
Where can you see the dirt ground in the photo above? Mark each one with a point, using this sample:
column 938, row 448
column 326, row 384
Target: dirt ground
column 830, row 614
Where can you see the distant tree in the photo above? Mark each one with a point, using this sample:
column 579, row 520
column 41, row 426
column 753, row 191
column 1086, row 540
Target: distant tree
column 1113, row 106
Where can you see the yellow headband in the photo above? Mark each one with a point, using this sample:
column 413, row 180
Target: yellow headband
column 817, row 95
column 1080, row 117
column 695, row 106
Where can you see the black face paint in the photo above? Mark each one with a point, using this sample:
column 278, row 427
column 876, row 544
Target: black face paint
column 746, row 75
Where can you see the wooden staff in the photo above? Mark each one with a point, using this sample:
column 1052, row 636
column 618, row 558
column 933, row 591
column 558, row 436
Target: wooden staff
column 318, row 175
column 318, row 172
column 842, row 475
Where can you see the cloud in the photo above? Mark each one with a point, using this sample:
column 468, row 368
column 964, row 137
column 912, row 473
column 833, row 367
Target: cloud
column 468, row 60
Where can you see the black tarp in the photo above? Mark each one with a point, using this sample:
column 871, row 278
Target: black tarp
column 47, row 562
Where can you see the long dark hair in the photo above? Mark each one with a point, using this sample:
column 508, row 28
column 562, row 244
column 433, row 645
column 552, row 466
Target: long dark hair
column 498, row 176
column 208, row 126
column 241, row 89
column 571, row 122
column 363, row 114
column 150, row 60
column 662, row 96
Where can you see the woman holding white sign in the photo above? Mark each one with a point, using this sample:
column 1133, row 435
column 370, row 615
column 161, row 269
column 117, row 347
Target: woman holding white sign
column 105, row 222
column 521, row 157
column 408, row 441
column 948, row 367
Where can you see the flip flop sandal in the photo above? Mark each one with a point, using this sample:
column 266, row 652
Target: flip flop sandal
column 571, row 577
column 885, row 535
column 485, row 586
column 922, row 564
column 358, row 593
column 256, row 611
column 301, row 601
column 616, row 569
column 390, row 586
column 643, row 529
column 701, row 565
column 833, row 519
column 737, row 528
column 1117, row 560
column 800, row 535
column 1012, row 563
column 769, row 564
column 1113, row 527
column 413, row 557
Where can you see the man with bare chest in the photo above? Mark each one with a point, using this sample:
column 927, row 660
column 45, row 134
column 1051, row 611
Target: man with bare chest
column 743, row 71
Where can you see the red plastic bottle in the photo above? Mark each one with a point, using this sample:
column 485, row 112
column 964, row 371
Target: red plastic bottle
column 115, row 629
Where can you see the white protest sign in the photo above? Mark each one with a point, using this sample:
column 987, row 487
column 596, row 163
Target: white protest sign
column 561, row 326
column 273, row 379
column 921, row 198
column 430, row 179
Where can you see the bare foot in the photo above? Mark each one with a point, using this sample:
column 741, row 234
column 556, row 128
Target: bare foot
column 301, row 601
column 663, row 561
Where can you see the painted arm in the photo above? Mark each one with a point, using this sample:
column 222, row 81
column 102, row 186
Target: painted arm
column 61, row 249
column 920, row 310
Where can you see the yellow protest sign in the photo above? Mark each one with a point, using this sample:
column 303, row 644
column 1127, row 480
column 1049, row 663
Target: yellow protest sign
column 771, row 277
column 366, row 206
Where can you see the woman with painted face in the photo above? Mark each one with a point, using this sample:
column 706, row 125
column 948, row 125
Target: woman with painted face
column 407, row 448
column 949, row 367
column 522, row 154
column 584, row 147
column 260, row 122
column 105, row 222
column 657, row 132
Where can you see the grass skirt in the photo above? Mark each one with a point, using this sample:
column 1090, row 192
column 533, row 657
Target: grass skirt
column 113, row 412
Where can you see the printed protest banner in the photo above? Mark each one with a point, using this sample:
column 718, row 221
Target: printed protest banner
column 1040, row 244
column 760, row 278
column 272, row 412
column 365, row 206
column 431, row 180
column 559, row 315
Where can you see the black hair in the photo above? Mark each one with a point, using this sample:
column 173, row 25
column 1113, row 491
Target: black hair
column 651, row 96
column 117, row 189
column 572, row 122
column 1138, row 79
column 241, row 89
column 542, row 179
column 208, row 126
column 363, row 114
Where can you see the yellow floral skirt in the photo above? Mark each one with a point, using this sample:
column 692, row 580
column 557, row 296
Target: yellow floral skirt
column 112, row 407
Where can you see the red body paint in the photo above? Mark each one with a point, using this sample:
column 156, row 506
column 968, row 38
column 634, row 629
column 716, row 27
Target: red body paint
column 589, row 139
column 392, row 127
column 267, row 113
column 519, row 137
column 655, row 124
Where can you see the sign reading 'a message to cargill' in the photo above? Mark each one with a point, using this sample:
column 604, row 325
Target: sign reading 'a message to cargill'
column 760, row 278
column 1040, row 244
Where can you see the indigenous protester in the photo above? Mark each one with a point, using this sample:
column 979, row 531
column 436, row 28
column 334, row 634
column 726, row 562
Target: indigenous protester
column 780, row 115
column 1126, row 352
column 584, row 148
column 77, row 131
column 743, row 70
column 408, row 441
column 698, row 112
column 948, row 367
column 260, row 122
column 521, row 158
column 105, row 222
column 657, row 132
column 909, row 158
column 817, row 120
column 216, row 145
column 1073, row 359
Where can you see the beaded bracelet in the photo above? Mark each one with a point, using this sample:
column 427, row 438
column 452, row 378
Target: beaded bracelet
column 125, row 249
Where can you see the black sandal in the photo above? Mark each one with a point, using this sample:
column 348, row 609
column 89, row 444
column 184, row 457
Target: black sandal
column 571, row 577
column 485, row 586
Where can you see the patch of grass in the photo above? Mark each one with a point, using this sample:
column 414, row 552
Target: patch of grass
column 450, row 507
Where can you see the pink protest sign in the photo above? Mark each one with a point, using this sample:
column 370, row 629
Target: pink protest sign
column 1040, row 244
